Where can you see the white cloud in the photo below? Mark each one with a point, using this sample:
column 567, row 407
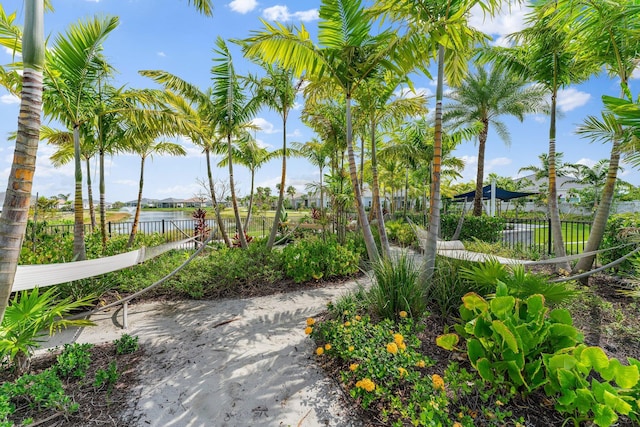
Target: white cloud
column 162, row 54
column 586, row 161
column 194, row 188
column 9, row 99
column 127, row 182
column 636, row 72
column 509, row 20
column 497, row 162
column 570, row 99
column 264, row 125
column 295, row 134
column 281, row 13
column 243, row 6
column 540, row 119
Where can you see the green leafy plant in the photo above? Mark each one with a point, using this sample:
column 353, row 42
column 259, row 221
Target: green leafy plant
column 315, row 258
column 590, row 386
column 397, row 287
column 401, row 233
column 74, row 360
column 107, row 377
column 519, row 282
column 485, row 228
column 126, row 344
column 28, row 317
column 507, row 336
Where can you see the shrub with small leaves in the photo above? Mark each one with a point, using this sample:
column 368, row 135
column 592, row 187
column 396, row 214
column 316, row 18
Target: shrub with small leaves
column 107, row 377
column 74, row 360
column 126, row 344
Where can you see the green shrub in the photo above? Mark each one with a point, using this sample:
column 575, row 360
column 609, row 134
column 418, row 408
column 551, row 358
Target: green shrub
column 485, row 228
column 401, row 233
column 316, row 258
column 621, row 229
column 520, row 283
column 126, row 344
column 397, row 287
column 74, row 360
column 107, row 377
column 28, row 317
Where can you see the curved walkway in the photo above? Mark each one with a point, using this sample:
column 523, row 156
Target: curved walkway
column 228, row 363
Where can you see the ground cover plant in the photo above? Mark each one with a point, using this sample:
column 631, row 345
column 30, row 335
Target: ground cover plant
column 510, row 358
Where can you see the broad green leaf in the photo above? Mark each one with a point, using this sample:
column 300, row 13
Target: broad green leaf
column 515, row 373
column 561, row 315
column 482, row 328
column 475, row 351
column 535, row 306
column 474, row 302
column 484, row 369
column 616, row 403
column 624, row 376
column 502, row 306
column 567, row 398
column 501, row 289
column 604, row 416
column 566, row 379
column 594, row 357
column 506, row 335
column 561, row 361
column 562, row 330
column 584, row 400
column 447, row 341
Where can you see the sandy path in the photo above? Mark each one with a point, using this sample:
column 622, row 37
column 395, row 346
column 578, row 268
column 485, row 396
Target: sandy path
column 228, row 362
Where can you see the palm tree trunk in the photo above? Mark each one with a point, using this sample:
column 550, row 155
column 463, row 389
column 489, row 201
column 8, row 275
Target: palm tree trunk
column 216, row 208
column 370, row 243
column 247, row 221
column 79, row 250
column 431, row 247
column 15, row 210
column 103, row 213
column 602, row 214
column 92, row 211
column 554, row 214
column 482, row 144
column 136, row 217
column 234, row 200
column 283, row 176
column 384, row 240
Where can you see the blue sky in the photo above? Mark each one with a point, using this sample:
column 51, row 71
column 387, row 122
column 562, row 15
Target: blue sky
column 170, row 35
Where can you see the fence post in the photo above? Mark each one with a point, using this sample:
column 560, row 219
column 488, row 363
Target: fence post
column 263, row 228
column 163, row 227
column 549, row 236
column 109, row 227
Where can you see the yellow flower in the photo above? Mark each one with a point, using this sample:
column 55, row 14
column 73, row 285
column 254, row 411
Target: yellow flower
column 353, row 366
column 327, row 346
column 438, row 382
column 403, row 314
column 366, row 384
column 420, row 364
column 398, row 338
column 346, row 312
column 311, row 321
column 457, row 424
column 347, row 323
column 319, row 351
column 392, row 348
column 308, row 330
column 403, row 371
column 351, row 348
column 358, row 318
column 402, row 346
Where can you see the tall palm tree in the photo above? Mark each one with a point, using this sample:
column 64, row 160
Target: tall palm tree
column 248, row 153
column 317, row 154
column 605, row 33
column 233, row 113
column 450, row 36
column 595, row 177
column 74, row 67
column 483, row 97
column 142, row 140
column 278, row 90
column 348, row 54
column 544, row 54
column 15, row 210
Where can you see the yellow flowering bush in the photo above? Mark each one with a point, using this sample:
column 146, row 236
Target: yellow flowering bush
column 366, row 384
column 311, row 321
column 319, row 351
column 403, row 314
column 308, row 330
column 438, row 382
column 327, row 346
column 398, row 339
column 392, row 348
column 353, row 366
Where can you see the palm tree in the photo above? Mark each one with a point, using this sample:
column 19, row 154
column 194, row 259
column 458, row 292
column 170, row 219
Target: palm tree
column 605, row 33
column 484, row 96
column 74, row 67
column 278, row 92
column 449, row 35
column 233, row 114
column 291, row 191
column 142, row 140
column 249, row 154
column 316, row 153
column 543, row 171
column 197, row 107
column 594, row 177
column 347, row 54
column 13, row 220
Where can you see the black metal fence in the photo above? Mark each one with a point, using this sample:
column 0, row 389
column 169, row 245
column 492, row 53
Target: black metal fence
column 173, row 230
column 536, row 235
